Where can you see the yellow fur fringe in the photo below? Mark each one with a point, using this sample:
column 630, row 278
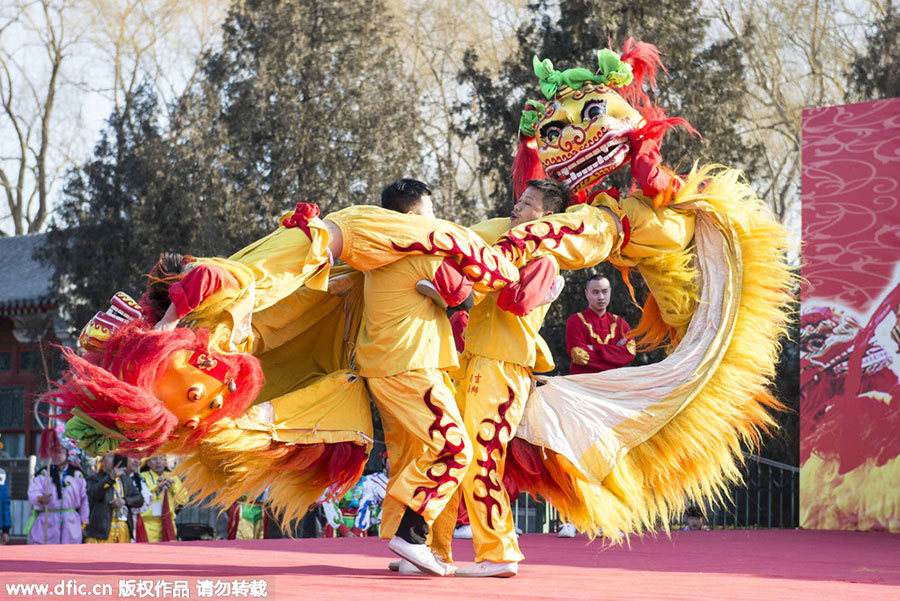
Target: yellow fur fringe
column 233, row 462
column 696, row 456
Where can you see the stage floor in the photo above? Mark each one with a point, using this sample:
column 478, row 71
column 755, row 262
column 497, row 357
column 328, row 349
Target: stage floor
column 714, row 565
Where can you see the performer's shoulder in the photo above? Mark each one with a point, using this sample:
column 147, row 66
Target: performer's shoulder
column 491, row 230
column 621, row 320
column 577, row 317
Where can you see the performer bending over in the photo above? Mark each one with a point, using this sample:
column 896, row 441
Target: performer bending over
column 503, row 349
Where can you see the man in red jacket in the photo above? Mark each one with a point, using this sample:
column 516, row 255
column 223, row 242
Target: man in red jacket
column 597, row 340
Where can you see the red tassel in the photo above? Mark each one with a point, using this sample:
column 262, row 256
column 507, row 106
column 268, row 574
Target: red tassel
column 656, row 124
column 526, row 166
column 50, row 445
column 300, row 219
column 140, row 531
column 644, row 60
column 168, row 520
column 535, row 470
column 645, row 159
column 234, row 518
column 338, row 465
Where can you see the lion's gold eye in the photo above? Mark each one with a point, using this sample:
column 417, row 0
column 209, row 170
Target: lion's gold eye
column 196, row 392
column 593, row 109
column 551, row 132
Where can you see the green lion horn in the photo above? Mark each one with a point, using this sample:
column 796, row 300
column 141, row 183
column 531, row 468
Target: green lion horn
column 612, row 72
column 530, row 117
column 610, row 66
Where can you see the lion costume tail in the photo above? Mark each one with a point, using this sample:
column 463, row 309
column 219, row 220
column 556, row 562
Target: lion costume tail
column 647, row 440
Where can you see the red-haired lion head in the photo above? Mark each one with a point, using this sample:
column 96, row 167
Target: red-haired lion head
column 150, row 387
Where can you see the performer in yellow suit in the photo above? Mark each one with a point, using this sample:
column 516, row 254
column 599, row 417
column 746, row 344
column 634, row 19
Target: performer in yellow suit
column 503, row 350
column 306, row 344
column 404, row 348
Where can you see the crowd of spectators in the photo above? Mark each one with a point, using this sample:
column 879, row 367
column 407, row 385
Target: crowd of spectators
column 119, row 499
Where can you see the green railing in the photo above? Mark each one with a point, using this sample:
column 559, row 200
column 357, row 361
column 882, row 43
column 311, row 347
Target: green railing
column 530, row 515
column 769, row 497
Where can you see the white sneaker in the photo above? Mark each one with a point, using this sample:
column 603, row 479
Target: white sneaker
column 427, row 288
column 418, row 555
column 567, row 530
column 464, row 532
column 485, row 569
column 450, row 569
column 407, row 568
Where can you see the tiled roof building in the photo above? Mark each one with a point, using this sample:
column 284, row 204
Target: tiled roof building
column 25, row 283
column 29, row 326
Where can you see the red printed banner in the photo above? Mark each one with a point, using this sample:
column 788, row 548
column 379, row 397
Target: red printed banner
column 850, row 318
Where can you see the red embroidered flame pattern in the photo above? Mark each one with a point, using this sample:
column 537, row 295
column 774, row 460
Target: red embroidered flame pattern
column 626, row 232
column 489, row 463
column 473, row 261
column 509, row 244
column 448, row 456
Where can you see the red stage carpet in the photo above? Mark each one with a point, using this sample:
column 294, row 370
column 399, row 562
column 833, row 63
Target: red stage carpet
column 752, row 565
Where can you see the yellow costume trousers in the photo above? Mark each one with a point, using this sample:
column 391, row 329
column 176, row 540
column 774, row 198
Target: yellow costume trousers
column 118, row 533
column 492, row 395
column 427, row 443
column 402, row 449
column 249, row 530
column 153, row 526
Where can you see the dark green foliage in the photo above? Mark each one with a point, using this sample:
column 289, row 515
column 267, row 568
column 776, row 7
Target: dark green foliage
column 875, row 75
column 304, row 102
column 119, row 210
column 784, row 444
